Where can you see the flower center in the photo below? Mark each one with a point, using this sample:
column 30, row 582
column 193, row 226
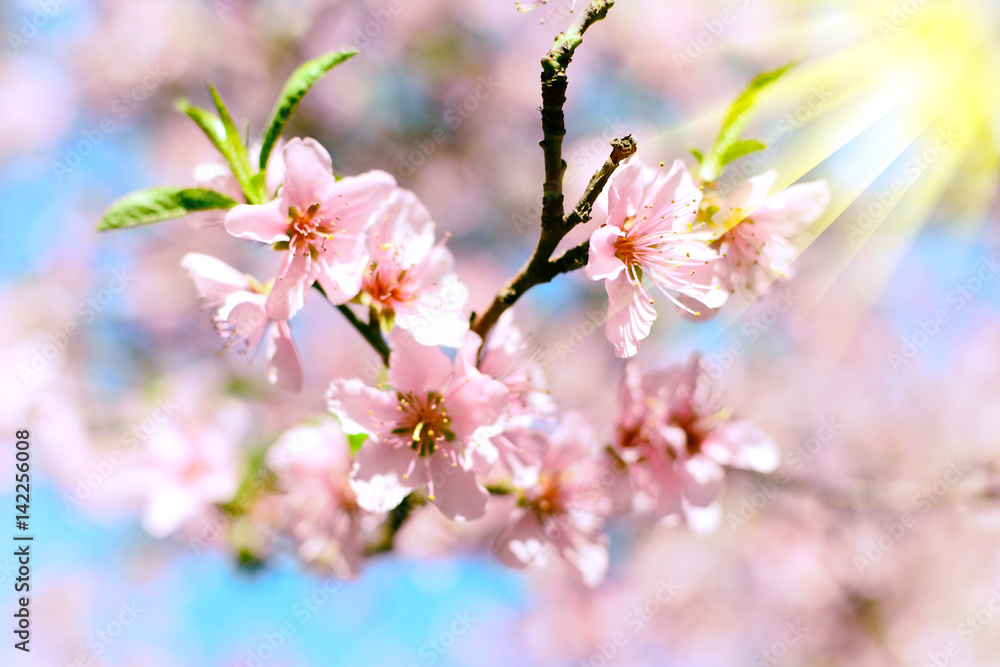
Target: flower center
column 388, row 286
column 424, row 424
column 546, row 497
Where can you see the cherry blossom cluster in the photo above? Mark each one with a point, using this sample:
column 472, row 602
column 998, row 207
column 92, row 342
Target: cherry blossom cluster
column 449, row 428
column 460, row 416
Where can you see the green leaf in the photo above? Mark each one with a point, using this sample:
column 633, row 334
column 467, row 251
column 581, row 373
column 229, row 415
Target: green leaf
column 163, row 203
column 298, row 84
column 235, row 150
column 207, row 121
column 697, row 155
column 739, row 149
column 356, row 440
column 736, row 121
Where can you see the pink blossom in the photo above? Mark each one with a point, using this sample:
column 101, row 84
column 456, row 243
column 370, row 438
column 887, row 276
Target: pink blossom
column 756, row 243
column 318, row 222
column 650, row 232
column 425, row 427
column 676, row 440
column 564, row 511
column 315, row 503
column 241, row 317
column 507, row 357
column 411, row 281
column 181, row 473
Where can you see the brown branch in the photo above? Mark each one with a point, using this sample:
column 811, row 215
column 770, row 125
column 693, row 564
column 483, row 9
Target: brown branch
column 540, row 269
column 554, row 222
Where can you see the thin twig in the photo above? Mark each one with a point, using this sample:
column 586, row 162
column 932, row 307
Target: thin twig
column 554, row 222
column 370, row 330
column 539, row 269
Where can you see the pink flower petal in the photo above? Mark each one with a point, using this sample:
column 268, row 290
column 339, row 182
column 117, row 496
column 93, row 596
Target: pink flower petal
column 743, row 445
column 523, row 543
column 362, row 409
column 353, row 201
column 289, row 291
column 213, row 279
column 266, row 223
column 630, row 316
column 284, row 367
column 456, row 492
column 701, row 479
column 625, row 190
column 602, row 264
column 308, row 174
column 475, row 401
column 377, row 478
column 415, row 368
column 341, row 267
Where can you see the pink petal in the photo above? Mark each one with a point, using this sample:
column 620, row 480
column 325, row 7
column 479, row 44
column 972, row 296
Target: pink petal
column 308, row 174
column 341, row 267
column 743, row 445
column 456, row 492
column 415, row 368
column 283, row 367
column 673, row 199
column 362, row 409
column 802, row 203
column 662, row 486
column 602, row 264
column 245, row 319
column 288, row 294
column 625, row 190
column 587, row 554
column 403, row 228
column 745, row 199
column 696, row 299
column 701, row 480
column 266, row 223
column 377, row 478
column 213, row 278
column 475, row 401
column 432, row 324
column 630, row 316
column 353, row 201
column 523, row 543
